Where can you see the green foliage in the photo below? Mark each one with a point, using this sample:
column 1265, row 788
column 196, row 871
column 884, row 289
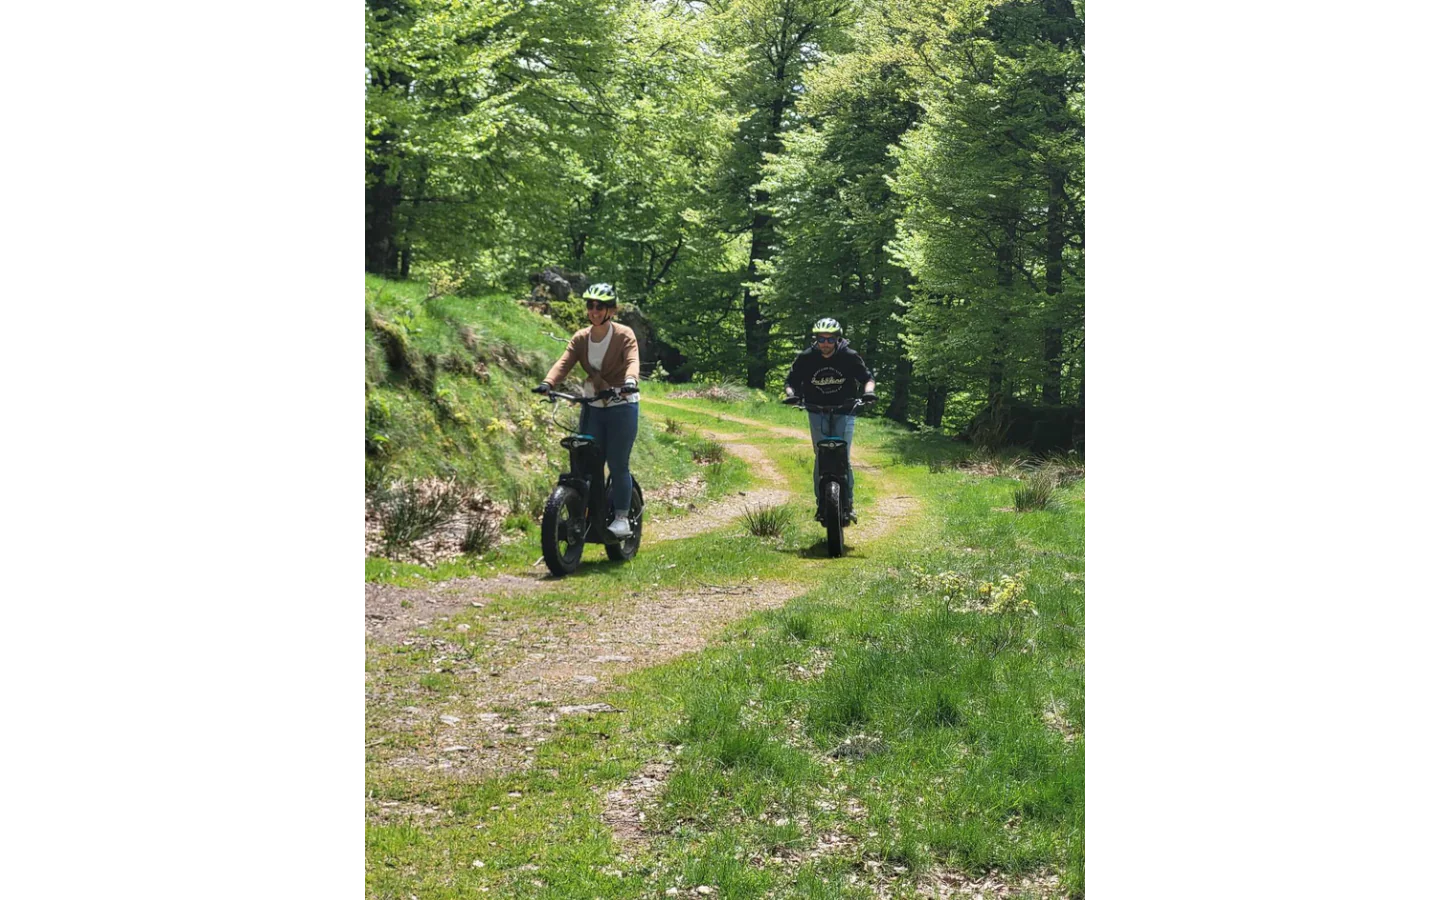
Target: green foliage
column 1037, row 490
column 737, row 169
column 768, row 521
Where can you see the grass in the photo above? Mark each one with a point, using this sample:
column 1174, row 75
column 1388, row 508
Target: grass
column 922, row 703
column 481, row 535
column 707, row 451
column 1037, row 490
column 964, row 770
column 768, row 521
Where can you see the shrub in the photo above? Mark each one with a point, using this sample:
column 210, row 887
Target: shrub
column 671, row 426
column 768, row 521
column 1037, row 490
column 481, row 534
column 708, row 452
column 413, row 512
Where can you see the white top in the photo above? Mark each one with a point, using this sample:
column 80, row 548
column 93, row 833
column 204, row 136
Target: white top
column 596, row 351
column 597, row 348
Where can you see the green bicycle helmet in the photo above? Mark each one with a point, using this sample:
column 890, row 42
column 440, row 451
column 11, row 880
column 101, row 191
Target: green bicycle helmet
column 603, row 293
column 827, row 325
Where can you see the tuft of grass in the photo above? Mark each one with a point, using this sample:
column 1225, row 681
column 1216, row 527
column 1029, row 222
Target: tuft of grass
column 798, row 626
column 1010, row 465
column 482, row 533
column 671, row 426
column 1037, row 490
column 708, row 451
column 768, row 521
column 413, row 511
column 1068, row 468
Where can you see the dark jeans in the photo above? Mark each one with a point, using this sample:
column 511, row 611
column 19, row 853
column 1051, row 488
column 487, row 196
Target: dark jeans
column 823, row 425
column 613, row 428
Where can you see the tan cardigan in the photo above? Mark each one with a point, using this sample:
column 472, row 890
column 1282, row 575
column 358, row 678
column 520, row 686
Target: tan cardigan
column 622, row 359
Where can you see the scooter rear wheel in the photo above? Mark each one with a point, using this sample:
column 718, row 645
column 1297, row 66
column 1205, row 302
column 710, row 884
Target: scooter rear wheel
column 627, row 549
column 834, row 519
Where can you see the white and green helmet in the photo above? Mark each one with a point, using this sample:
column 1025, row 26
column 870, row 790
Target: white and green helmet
column 602, row 292
column 827, row 325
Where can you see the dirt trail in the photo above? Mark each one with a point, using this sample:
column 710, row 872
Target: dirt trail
column 525, row 675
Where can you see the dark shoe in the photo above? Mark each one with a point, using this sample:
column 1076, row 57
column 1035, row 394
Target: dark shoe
column 820, row 516
column 850, row 517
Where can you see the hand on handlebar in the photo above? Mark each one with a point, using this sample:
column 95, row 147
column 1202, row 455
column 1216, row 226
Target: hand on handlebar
column 614, row 393
column 868, row 398
column 541, row 388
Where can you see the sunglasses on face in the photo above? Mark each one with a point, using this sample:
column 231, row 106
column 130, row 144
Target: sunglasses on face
column 595, row 304
column 826, row 339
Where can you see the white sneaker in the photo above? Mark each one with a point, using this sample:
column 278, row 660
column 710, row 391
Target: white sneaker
column 621, row 527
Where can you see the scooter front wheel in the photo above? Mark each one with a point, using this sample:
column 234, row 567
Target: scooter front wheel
column 562, row 531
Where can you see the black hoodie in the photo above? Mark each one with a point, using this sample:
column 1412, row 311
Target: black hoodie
column 828, row 381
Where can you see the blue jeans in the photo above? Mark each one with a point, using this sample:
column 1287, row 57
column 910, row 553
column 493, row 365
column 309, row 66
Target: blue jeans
column 823, row 425
column 613, row 428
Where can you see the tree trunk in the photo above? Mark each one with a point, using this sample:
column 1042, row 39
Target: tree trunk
column 1054, row 275
column 899, row 408
column 1079, row 437
column 935, row 405
column 1080, row 434
column 762, row 246
column 1005, row 278
column 757, row 327
column 378, row 252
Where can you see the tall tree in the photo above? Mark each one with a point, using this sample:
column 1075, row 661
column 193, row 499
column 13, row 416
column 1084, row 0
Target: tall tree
column 779, row 41
column 835, row 211
column 993, row 185
column 472, row 109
